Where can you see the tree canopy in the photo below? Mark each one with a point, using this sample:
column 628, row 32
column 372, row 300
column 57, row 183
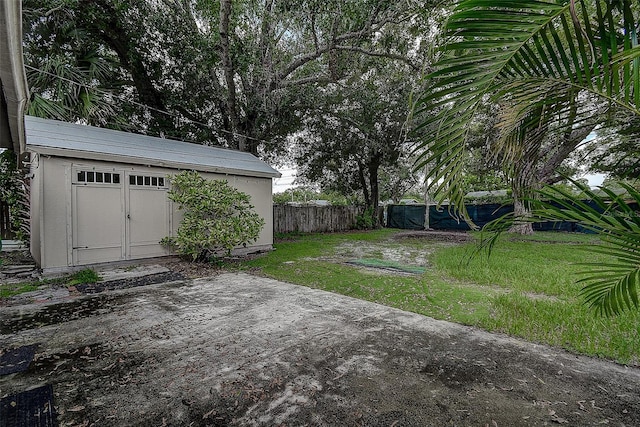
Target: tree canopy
column 359, row 129
column 240, row 74
column 544, row 62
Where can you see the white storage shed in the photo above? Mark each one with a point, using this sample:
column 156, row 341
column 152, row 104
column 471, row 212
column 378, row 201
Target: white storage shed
column 100, row 195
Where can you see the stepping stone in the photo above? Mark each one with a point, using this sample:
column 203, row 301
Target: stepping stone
column 25, row 274
column 16, row 269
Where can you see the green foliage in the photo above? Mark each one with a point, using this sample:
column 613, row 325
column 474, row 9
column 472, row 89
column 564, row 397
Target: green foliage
column 535, row 58
column 71, row 75
column 9, row 290
column 127, row 64
column 12, row 193
column 493, row 197
column 616, row 151
column 305, row 194
column 83, row 276
column 78, row 278
column 615, row 285
column 217, row 217
column 557, row 69
column 355, row 138
column 484, row 180
column 612, row 286
column 366, row 220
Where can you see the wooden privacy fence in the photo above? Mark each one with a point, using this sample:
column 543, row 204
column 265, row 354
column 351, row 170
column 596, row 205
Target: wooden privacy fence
column 5, row 222
column 312, row 219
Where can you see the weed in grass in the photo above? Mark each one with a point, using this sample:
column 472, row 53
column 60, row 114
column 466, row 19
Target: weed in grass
column 525, row 266
column 571, row 325
column 83, row 276
column 10, row 289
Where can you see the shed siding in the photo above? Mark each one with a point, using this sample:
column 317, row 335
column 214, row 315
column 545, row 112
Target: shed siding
column 55, row 196
column 35, row 206
column 52, row 207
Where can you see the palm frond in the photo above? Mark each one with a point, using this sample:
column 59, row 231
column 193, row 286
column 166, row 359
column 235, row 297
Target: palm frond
column 526, row 54
column 42, row 107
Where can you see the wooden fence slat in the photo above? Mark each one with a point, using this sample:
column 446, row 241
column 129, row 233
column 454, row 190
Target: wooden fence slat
column 5, row 222
column 313, row 219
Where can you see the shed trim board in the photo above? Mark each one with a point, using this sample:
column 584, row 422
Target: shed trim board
column 88, row 211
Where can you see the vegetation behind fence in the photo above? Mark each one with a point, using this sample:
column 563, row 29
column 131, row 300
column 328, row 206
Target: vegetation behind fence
column 310, row 219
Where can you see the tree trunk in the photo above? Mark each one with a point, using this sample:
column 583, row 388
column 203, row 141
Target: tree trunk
column 374, row 166
column 229, row 73
column 538, row 163
column 521, row 211
column 523, row 185
column 115, row 35
column 363, row 184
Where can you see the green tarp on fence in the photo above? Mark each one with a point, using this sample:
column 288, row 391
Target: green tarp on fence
column 412, row 217
column 408, row 217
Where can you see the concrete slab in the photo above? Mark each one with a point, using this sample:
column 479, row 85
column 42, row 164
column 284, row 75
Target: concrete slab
column 237, row 349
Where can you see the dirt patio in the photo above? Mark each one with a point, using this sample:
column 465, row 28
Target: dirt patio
column 237, row 349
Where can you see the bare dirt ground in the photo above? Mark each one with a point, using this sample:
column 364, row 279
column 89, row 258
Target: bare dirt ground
column 236, row 349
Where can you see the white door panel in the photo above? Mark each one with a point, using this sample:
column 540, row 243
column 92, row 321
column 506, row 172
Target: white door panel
column 97, row 221
column 118, row 215
column 148, row 222
column 148, row 215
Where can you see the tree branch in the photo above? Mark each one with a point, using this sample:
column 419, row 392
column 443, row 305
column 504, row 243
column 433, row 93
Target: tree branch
column 305, row 80
column 404, row 59
column 369, row 28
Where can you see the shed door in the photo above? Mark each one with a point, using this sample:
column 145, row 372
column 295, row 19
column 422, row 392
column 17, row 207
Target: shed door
column 148, row 215
column 97, row 216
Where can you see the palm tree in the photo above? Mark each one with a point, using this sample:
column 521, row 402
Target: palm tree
column 69, row 91
column 537, row 59
column 70, row 75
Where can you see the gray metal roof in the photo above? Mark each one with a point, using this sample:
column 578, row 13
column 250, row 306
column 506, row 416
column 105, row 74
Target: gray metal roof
column 64, row 139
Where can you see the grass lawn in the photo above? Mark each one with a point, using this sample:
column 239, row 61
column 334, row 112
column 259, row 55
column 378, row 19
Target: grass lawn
column 525, row 289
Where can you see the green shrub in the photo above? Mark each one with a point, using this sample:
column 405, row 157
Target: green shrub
column 366, row 221
column 12, row 192
column 217, row 217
